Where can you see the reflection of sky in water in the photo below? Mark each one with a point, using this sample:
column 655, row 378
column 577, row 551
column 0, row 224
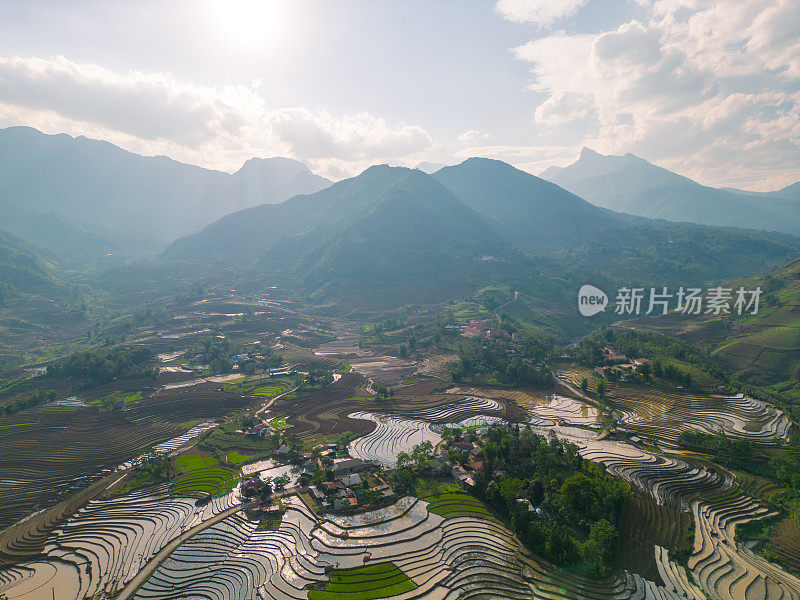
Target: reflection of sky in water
column 477, row 421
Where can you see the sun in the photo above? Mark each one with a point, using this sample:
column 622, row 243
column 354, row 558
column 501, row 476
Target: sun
column 249, row 23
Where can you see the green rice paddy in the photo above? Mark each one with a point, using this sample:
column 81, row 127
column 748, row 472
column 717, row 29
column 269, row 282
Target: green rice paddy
column 279, row 423
column 202, row 476
column 455, row 505
column 364, row 583
column 235, row 458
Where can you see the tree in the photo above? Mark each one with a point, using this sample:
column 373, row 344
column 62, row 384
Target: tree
column 368, row 496
column 577, row 492
column 421, row 454
column 153, row 466
column 584, row 385
column 643, row 370
column 600, row 549
column 511, row 489
column 601, row 389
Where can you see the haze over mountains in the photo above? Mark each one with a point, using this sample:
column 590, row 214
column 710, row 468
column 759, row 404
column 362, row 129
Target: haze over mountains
column 94, row 197
column 390, row 236
column 407, row 236
column 632, row 185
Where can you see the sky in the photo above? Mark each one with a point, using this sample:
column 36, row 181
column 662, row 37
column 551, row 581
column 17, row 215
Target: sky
column 706, row 88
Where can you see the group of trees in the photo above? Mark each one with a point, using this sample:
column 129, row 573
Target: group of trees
column 729, row 452
column 787, row 473
column 410, row 465
column 637, row 344
column 35, row 399
column 318, row 379
column 217, row 353
column 225, row 438
column 672, row 373
column 483, row 360
column 152, row 467
column 579, row 503
column 97, row 367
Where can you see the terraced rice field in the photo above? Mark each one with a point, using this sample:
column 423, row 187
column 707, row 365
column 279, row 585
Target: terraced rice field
column 663, row 414
column 105, row 544
column 320, row 415
column 785, row 543
column 271, row 390
column 364, row 583
column 395, row 434
column 235, row 458
column 445, row 547
column 455, row 505
column 369, row 555
column 720, row 567
column 646, row 525
column 66, row 452
column 202, row 476
column 280, row 423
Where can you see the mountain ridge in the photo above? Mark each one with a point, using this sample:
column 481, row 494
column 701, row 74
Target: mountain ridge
column 632, row 185
column 95, row 183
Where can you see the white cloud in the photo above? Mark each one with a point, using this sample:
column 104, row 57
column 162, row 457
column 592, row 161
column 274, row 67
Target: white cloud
column 706, row 87
column 538, row 12
column 472, row 136
column 215, row 126
column 565, row 107
column 533, row 159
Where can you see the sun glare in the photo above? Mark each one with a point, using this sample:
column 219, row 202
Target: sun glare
column 249, row 23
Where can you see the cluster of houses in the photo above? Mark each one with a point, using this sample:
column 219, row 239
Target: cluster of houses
column 355, row 483
column 621, row 368
column 484, row 328
column 470, row 455
column 259, row 494
column 259, row 430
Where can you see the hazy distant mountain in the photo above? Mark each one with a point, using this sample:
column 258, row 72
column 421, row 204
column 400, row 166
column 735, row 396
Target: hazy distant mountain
column 541, row 217
column 412, row 242
column 535, row 214
column 243, row 235
column 399, row 235
column 95, row 183
column 790, row 192
column 632, row 185
column 71, row 241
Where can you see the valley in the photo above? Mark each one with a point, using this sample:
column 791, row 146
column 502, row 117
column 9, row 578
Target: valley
column 382, row 388
column 116, row 535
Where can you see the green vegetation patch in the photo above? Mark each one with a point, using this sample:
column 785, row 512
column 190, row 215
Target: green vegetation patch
column 358, row 399
column 236, row 459
column 270, row 390
column 213, row 481
column 434, row 486
column 202, row 476
column 195, row 462
column 455, row 504
column 279, row 423
column 364, row 583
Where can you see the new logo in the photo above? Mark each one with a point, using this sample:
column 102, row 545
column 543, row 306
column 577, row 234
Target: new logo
column 591, row 300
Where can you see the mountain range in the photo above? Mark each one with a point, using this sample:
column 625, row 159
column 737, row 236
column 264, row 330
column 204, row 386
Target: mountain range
column 632, row 185
column 94, row 197
column 407, row 236
column 387, row 237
